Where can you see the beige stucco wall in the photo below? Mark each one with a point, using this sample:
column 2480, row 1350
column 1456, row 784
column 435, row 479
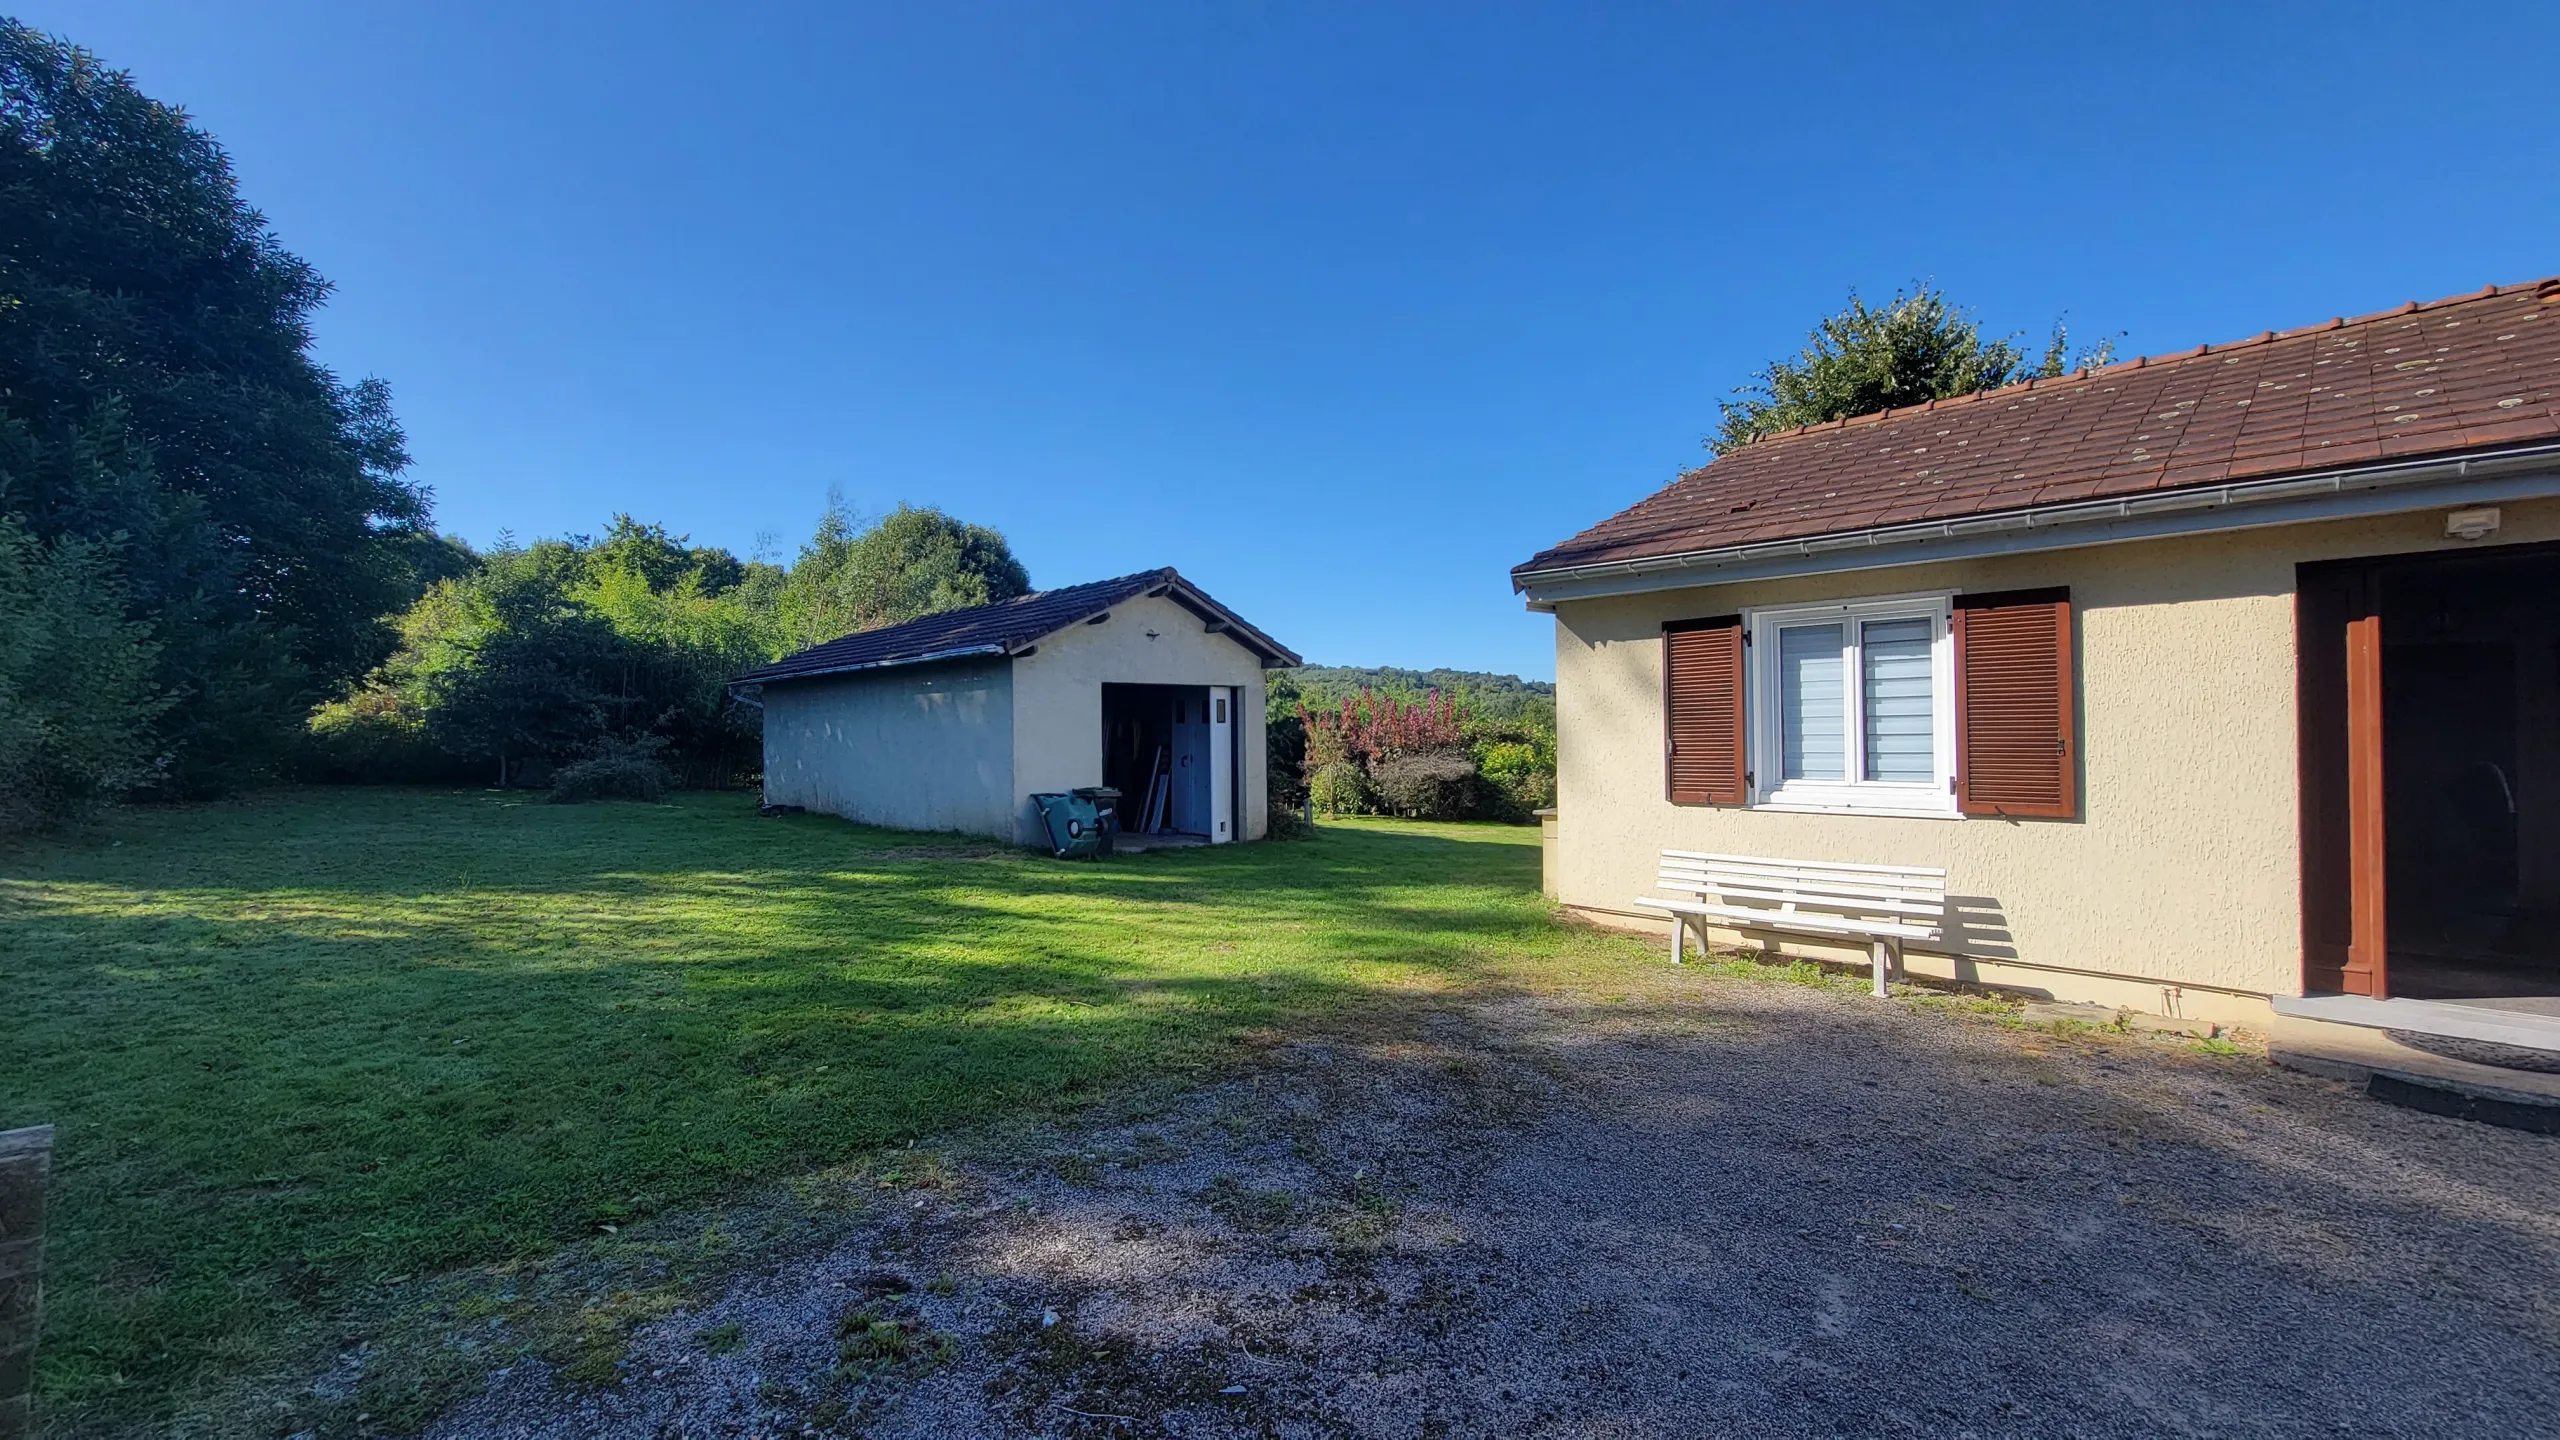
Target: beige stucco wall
column 926, row 747
column 2176, row 889
column 1057, row 712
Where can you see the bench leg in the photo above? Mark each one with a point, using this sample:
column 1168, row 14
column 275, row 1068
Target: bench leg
column 1883, row 949
column 1679, row 936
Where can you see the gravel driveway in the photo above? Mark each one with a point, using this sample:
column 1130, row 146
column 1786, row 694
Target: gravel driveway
column 1701, row 1206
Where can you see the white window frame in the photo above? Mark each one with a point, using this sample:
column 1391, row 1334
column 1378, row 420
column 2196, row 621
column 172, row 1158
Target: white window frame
column 1765, row 750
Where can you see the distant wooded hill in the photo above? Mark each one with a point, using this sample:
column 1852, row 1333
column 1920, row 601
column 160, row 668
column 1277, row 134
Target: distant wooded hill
column 1487, row 694
column 1334, row 678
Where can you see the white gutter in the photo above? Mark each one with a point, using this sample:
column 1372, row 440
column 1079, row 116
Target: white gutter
column 2528, row 472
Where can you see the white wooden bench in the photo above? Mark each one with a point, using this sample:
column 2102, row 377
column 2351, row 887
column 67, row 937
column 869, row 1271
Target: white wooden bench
column 1884, row 905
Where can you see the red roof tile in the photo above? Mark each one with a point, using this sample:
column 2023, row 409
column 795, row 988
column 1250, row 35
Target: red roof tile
column 2471, row 372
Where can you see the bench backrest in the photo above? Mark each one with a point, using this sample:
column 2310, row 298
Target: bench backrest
column 1912, row 894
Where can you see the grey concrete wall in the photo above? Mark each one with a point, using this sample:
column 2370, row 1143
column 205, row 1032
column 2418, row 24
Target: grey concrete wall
column 1057, row 713
column 926, row 747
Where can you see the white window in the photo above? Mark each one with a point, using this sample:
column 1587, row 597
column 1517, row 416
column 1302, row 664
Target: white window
column 1853, row 705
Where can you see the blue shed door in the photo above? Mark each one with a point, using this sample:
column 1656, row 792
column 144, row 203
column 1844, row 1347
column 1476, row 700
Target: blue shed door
column 1190, row 805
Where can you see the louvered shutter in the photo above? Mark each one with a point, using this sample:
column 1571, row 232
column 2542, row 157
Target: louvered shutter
column 2015, row 750
column 1702, row 711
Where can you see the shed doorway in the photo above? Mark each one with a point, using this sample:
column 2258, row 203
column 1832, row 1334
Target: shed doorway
column 2431, row 777
column 1170, row 752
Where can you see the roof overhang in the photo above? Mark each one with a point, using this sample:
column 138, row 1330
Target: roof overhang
column 2524, row 473
column 1222, row 621
column 1214, row 617
column 747, row 688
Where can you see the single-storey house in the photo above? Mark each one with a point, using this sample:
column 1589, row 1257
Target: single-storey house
column 953, row 721
column 2212, row 681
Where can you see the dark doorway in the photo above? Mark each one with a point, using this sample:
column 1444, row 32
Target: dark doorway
column 1158, row 752
column 2431, row 776
column 2470, row 718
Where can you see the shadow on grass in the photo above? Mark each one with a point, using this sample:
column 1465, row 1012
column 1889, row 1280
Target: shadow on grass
column 304, row 1047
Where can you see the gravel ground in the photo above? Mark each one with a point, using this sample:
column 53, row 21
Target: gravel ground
column 1702, row 1207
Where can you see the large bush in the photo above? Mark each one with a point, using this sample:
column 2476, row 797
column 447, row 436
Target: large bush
column 618, row 770
column 77, row 702
column 1428, row 785
column 1428, row 757
column 534, row 656
column 375, row 737
column 541, row 653
column 1519, row 774
column 1340, row 788
column 1289, row 824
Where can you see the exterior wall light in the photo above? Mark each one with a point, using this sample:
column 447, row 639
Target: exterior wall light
column 2477, row 524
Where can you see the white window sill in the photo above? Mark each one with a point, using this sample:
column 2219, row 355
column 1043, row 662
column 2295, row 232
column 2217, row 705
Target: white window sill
column 1891, row 812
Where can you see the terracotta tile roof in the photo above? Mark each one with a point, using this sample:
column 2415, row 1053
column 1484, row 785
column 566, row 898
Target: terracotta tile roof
column 2473, row 372
column 1004, row 628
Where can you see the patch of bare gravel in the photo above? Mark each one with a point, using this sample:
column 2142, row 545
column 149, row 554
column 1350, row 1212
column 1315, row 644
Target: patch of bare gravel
column 1709, row 1206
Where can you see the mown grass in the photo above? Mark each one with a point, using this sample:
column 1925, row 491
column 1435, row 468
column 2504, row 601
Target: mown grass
column 306, row 1046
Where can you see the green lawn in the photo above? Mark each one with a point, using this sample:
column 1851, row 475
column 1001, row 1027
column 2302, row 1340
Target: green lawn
column 310, row 1044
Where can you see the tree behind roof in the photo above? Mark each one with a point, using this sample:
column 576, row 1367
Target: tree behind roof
column 1914, row 348
column 911, row 562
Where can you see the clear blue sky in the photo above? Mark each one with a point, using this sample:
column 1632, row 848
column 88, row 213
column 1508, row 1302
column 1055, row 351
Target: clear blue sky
column 1342, row 309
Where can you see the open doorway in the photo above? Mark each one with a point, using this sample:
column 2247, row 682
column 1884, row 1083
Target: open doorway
column 1170, row 752
column 2431, row 775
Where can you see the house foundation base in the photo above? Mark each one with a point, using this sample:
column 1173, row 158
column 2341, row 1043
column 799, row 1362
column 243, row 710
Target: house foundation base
column 2226, row 1008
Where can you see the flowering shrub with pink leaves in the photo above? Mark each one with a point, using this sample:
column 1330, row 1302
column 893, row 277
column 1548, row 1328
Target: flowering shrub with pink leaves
column 1369, row 727
column 1407, row 757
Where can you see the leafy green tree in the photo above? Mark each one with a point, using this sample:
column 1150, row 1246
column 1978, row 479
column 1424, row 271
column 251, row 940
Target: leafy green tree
column 682, row 644
column 530, row 676
column 1284, row 741
column 1914, row 348
column 554, row 651
column 156, row 385
column 76, row 700
column 659, row 559
column 646, row 552
column 434, row 557
column 578, row 647
column 913, row 561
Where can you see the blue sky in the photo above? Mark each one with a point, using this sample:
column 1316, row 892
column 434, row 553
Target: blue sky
column 1342, row 309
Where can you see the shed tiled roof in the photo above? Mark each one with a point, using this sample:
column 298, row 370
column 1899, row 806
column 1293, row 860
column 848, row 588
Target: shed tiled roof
column 1006, row 627
column 2473, row 372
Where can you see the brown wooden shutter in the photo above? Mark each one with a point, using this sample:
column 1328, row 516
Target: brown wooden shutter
column 2015, row 750
column 1702, row 711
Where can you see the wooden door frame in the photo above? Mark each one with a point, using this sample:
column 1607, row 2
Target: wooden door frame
column 2368, row 969
column 2338, row 714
